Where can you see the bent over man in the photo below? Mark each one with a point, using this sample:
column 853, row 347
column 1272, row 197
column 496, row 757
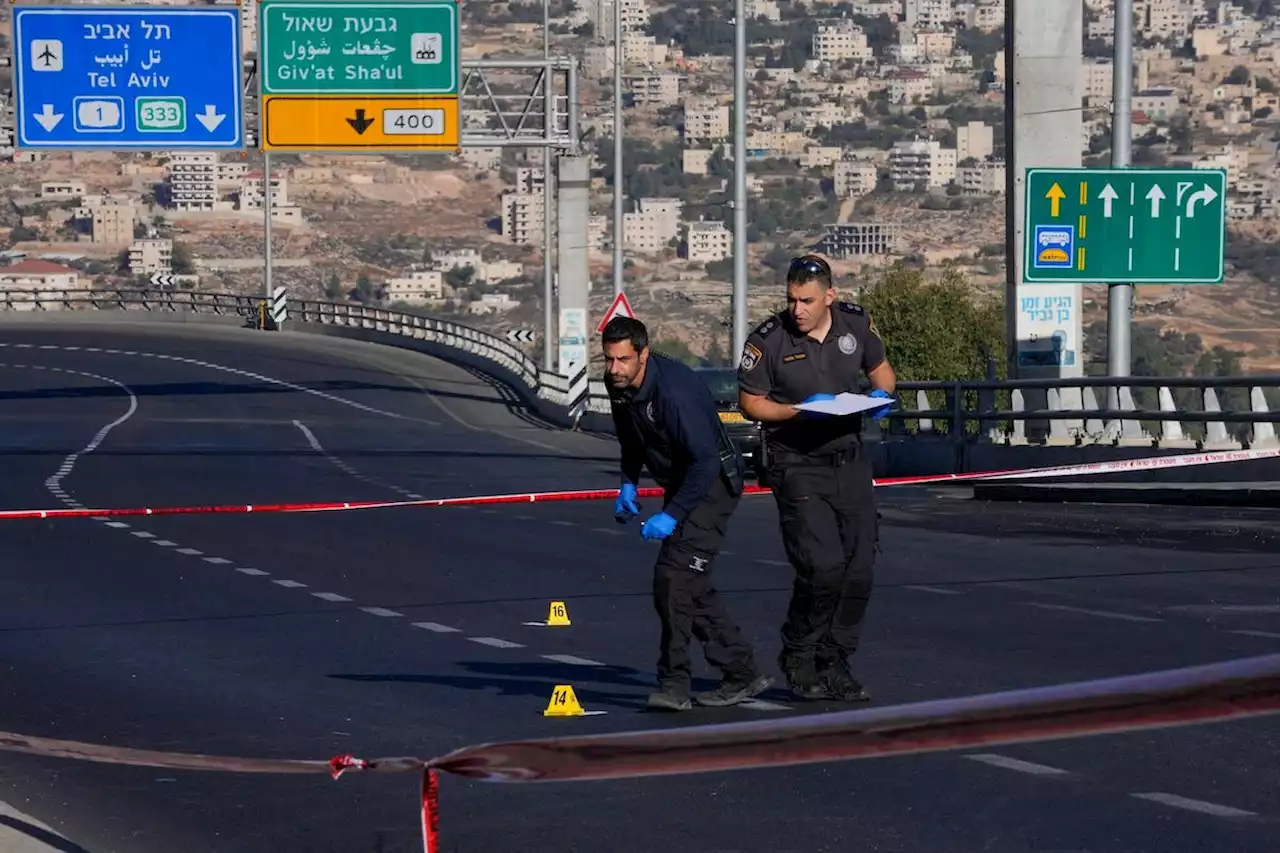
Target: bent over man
column 819, row 473
column 666, row 420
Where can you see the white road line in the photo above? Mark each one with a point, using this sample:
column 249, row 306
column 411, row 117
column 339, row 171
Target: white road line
column 218, row 561
column 1268, row 634
column 774, row 562
column 190, row 552
column 118, row 525
column 436, row 627
column 1104, row 614
column 573, row 660
column 289, row 584
column 1193, row 805
column 561, row 523
column 495, row 642
column 611, row 531
column 142, row 534
column 330, row 596
column 526, row 518
column 380, row 611
column 255, row 573
column 1007, row 763
column 937, row 590
column 164, row 543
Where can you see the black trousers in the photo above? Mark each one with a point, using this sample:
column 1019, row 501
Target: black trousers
column 830, row 528
column 687, row 602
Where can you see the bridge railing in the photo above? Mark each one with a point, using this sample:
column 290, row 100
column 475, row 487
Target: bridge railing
column 1212, row 412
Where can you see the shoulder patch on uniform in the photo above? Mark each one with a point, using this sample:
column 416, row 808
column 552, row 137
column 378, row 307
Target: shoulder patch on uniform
column 851, row 308
column 750, row 358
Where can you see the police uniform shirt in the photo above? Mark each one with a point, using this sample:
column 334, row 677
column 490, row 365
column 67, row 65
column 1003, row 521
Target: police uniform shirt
column 788, row 366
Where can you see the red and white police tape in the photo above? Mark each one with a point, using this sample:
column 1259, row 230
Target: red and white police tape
column 1118, row 466
column 1229, row 690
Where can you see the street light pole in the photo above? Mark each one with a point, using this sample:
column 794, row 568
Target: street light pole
column 1120, row 296
column 739, row 177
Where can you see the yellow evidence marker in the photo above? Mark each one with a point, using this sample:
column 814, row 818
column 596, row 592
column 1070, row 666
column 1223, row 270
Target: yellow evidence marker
column 557, row 617
column 564, row 703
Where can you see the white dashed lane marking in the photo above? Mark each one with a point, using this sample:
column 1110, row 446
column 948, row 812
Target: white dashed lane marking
column 773, row 562
column 290, row 584
column 381, row 611
column 561, row 523
column 164, row 543
column 1102, row 614
column 142, row 534
column 1007, row 763
column 253, row 573
column 217, row 561
column 1193, row 805
column 495, row 642
column 118, row 525
column 611, row 531
column 190, row 552
column 437, row 627
column 331, row 596
column 573, row 660
column 1272, row 635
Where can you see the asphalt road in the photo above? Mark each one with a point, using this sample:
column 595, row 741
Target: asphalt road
column 401, row 631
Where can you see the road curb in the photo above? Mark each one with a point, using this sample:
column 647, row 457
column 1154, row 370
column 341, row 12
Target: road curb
column 1172, row 494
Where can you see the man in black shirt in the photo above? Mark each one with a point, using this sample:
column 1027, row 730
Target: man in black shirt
column 820, row 476
column 666, row 420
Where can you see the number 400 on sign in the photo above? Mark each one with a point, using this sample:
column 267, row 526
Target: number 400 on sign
column 416, row 122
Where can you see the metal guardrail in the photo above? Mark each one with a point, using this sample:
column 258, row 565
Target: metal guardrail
column 1185, row 411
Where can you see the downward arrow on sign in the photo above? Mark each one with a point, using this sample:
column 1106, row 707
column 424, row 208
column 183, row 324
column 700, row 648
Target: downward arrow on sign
column 360, row 124
column 210, row 118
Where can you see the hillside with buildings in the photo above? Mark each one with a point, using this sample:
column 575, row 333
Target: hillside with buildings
column 875, row 135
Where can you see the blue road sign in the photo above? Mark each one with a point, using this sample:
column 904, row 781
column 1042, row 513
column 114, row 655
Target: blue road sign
column 127, row 78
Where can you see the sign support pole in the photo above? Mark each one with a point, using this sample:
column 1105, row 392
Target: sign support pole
column 266, row 225
column 1120, row 296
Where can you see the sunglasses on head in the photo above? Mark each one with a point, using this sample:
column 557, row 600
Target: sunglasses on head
column 813, row 267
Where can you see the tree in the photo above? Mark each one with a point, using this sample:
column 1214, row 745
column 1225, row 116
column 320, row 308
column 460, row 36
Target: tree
column 181, row 260
column 939, row 329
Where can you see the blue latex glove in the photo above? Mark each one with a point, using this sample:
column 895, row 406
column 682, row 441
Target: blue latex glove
column 883, row 411
column 659, row 526
column 626, row 508
column 817, row 398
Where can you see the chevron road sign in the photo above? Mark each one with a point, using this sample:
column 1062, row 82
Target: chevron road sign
column 521, row 336
column 279, row 313
column 162, row 279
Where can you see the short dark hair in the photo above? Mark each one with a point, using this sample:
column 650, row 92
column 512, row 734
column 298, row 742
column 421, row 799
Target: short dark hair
column 621, row 329
column 809, row 268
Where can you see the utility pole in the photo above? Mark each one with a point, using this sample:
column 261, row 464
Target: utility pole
column 1120, row 296
column 549, row 335
column 739, row 177
column 266, row 226
column 619, row 238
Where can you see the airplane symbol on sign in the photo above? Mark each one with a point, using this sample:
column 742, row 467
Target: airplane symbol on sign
column 46, row 55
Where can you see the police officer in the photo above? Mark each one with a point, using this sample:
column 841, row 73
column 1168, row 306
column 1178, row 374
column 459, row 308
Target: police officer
column 819, row 473
column 666, row 420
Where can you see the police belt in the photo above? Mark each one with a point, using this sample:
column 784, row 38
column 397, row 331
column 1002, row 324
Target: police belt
column 785, row 457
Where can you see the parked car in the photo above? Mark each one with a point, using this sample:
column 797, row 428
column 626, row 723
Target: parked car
column 745, row 434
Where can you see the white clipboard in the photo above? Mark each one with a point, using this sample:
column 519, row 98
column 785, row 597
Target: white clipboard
column 845, row 404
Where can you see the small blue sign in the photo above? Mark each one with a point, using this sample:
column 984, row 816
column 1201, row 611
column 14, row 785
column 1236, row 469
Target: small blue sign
column 127, row 78
column 1054, row 246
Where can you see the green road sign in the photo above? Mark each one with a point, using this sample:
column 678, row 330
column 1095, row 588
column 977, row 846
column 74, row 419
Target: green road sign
column 161, row 114
column 1140, row 226
column 359, row 48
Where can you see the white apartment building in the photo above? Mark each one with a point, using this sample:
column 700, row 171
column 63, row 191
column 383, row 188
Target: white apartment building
column 252, row 192
column 855, row 178
column 921, row 162
column 193, row 180
column 58, row 190
column 986, row 178
column 985, row 15
column 705, row 122
column 976, row 140
column 936, row 45
column 906, row 87
column 708, row 242
column 1096, row 82
column 1160, row 104
column 654, row 90
column 1163, row 19
column 417, row 287
column 652, row 225
column 919, row 14
column 112, row 221
column 149, row 256
column 522, row 218
column 841, row 41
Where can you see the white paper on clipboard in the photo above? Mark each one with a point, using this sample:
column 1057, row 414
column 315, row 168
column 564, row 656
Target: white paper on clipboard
column 845, row 404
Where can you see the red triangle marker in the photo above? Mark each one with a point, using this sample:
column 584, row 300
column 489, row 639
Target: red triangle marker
column 621, row 307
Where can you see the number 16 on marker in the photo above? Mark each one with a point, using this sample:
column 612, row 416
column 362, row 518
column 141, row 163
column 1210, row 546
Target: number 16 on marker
column 413, row 122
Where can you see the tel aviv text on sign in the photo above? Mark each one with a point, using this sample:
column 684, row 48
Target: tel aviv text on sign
column 1152, row 226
